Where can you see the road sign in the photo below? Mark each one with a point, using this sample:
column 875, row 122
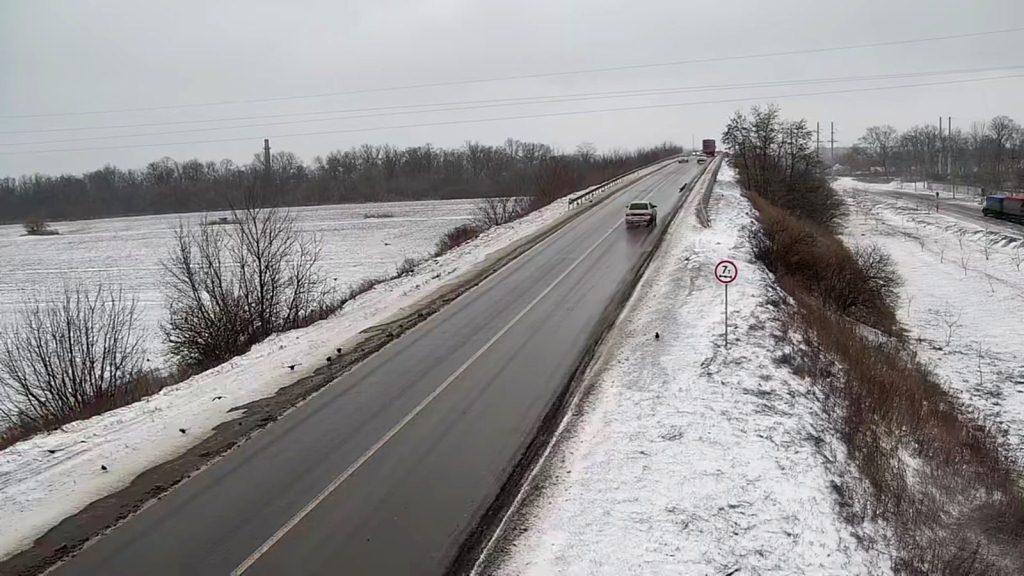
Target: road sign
column 726, row 272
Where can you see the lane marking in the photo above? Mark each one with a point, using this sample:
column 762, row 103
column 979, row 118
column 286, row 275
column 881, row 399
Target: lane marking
column 248, row 562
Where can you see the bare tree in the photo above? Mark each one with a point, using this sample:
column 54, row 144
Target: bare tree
column 880, row 141
column 67, row 354
column 497, row 211
column 950, row 322
column 227, row 290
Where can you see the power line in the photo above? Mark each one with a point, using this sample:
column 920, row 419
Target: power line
column 522, row 117
column 531, row 75
column 493, row 102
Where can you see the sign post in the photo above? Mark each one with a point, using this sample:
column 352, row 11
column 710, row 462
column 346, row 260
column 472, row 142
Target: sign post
column 726, row 273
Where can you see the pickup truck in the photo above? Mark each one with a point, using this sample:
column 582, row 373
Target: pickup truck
column 645, row 213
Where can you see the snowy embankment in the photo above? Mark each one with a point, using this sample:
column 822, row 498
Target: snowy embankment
column 51, row 476
column 963, row 298
column 684, row 457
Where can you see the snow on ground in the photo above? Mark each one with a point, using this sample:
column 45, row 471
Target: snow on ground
column 685, row 457
column 963, row 298
column 127, row 251
column 38, row 489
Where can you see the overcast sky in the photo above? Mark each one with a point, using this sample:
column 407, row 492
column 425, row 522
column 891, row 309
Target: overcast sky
column 77, row 56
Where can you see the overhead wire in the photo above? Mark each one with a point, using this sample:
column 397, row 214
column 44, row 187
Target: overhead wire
column 711, row 59
column 527, row 116
column 469, row 104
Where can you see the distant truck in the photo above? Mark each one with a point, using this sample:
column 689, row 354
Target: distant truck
column 1005, row 207
column 709, row 147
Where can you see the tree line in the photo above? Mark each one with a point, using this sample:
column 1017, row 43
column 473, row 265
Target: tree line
column 367, row 173
column 989, row 154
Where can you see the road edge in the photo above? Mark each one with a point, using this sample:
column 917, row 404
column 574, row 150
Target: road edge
column 489, row 526
column 101, row 516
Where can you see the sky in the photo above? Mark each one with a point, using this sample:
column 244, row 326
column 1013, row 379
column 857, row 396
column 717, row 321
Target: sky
column 89, row 83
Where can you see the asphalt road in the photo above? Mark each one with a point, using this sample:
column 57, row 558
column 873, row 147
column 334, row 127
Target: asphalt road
column 387, row 469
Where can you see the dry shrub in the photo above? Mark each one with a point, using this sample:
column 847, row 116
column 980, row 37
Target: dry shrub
column 861, row 283
column 457, row 237
column 940, row 479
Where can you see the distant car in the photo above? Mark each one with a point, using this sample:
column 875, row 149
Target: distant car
column 645, row 213
column 684, row 160
column 701, row 160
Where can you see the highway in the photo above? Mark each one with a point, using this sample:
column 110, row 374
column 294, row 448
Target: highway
column 388, row 468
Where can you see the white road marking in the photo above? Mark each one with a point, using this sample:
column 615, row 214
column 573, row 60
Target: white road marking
column 248, row 562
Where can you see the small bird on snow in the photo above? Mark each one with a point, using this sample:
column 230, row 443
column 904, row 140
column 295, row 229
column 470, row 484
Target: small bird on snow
column 103, row 467
column 657, row 336
column 182, row 430
column 291, row 366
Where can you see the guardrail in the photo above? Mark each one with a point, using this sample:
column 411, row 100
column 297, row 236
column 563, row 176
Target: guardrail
column 588, row 195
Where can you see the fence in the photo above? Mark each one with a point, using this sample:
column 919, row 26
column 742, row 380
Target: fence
column 588, row 194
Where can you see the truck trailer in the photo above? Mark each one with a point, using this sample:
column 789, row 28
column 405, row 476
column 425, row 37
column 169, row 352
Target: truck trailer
column 1005, row 207
column 709, row 147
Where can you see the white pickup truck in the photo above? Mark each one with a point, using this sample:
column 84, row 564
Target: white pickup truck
column 642, row 212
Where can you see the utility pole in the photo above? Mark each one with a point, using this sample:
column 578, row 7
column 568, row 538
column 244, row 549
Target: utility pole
column 942, row 147
column 267, row 173
column 817, row 139
column 832, row 143
column 949, row 146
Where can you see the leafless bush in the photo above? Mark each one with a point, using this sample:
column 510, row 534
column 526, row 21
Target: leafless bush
column 379, row 214
column 1017, row 258
column 498, row 211
column 68, row 355
column 227, row 290
column 37, row 227
column 457, row 237
column 862, row 283
column 407, row 266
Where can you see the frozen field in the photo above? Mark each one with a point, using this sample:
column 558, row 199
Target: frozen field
column 127, row 251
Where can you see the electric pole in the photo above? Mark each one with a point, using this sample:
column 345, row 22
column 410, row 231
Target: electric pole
column 949, row 155
column 266, row 160
column 832, row 143
column 817, row 140
column 942, row 147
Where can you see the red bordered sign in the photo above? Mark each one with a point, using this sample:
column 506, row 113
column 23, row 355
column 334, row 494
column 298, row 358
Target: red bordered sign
column 726, row 272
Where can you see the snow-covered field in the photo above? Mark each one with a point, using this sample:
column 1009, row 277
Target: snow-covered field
column 685, row 457
column 963, row 298
column 51, row 476
column 127, row 251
